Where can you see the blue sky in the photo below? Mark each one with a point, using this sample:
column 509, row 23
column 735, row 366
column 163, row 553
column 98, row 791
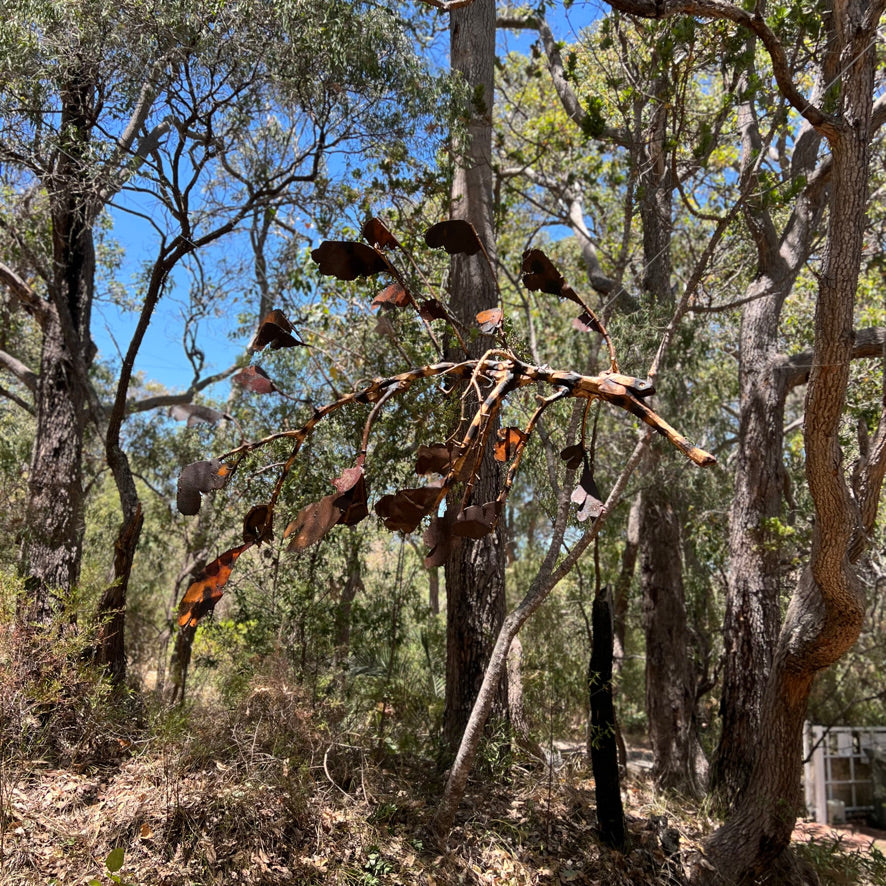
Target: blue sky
column 162, row 357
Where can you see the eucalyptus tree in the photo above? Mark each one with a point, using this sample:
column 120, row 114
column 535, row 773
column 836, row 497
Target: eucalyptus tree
column 826, row 610
column 630, row 118
column 141, row 109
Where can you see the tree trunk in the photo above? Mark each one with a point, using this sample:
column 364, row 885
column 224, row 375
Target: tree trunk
column 53, row 547
column 475, row 598
column 752, row 617
column 516, row 708
column 111, row 647
column 826, row 611
column 604, row 746
column 352, row 586
column 670, row 675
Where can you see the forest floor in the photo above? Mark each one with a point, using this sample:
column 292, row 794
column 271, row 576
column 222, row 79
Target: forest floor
column 214, row 803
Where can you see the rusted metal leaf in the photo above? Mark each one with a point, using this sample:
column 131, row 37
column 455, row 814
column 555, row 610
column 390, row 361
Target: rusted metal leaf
column 354, row 503
column 313, row 522
column 194, row 413
column 432, row 309
column 440, row 540
column 353, row 500
column 275, row 330
column 540, row 275
column 476, row 521
column 455, row 236
column 375, row 232
column 347, row 260
column 574, row 456
column 394, row 295
column 587, row 497
column 489, row 321
column 254, row 378
column 258, row 524
column 200, row 476
column 506, row 442
column 405, row 509
column 433, row 459
column 586, row 322
column 206, row 590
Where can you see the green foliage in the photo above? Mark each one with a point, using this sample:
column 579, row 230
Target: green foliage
column 840, row 865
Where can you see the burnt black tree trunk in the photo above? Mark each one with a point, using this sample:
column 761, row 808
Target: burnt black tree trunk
column 604, row 746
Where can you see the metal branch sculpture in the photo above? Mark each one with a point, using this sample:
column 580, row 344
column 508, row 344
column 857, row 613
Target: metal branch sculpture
column 456, row 461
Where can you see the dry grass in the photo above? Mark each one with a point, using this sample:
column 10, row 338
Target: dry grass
column 270, row 791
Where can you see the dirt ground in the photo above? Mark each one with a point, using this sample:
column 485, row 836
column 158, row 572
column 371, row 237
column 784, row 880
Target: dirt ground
column 852, row 835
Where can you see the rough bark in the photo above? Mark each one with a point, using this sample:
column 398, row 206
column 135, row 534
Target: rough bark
column 548, row 576
column 825, row 614
column 52, row 549
column 520, row 725
column 752, row 616
column 352, row 586
column 670, row 675
column 624, row 581
column 475, row 598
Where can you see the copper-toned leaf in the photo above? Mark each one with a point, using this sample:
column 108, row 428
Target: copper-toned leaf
column 476, row 521
column 347, row 259
column 206, row 590
column 275, row 330
column 506, row 442
column 432, row 309
column 349, row 476
column 440, row 540
column 194, row 413
column 258, row 524
column 587, row 496
column 587, row 323
column 394, row 295
column 354, row 503
column 454, row 235
column 375, row 233
column 540, row 275
column 490, row 320
column 574, row 456
column 254, row 378
column 313, row 522
column 201, row 476
column 433, row 459
column 404, row 510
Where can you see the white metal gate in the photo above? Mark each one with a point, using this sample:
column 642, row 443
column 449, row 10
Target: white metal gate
column 837, row 767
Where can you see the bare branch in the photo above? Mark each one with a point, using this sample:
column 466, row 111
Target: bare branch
column 161, row 400
column 25, row 295
column 26, row 376
column 869, row 342
column 14, row 398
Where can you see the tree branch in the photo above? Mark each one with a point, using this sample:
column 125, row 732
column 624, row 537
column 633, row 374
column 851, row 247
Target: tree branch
column 26, row 376
column 869, row 342
column 161, row 400
column 826, row 124
column 568, row 99
column 25, row 295
column 22, row 404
